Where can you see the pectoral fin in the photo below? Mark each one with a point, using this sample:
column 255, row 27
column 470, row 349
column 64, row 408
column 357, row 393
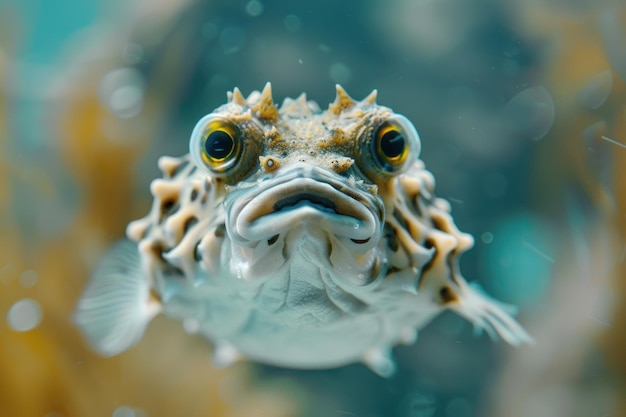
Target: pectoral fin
column 380, row 361
column 116, row 306
column 494, row 317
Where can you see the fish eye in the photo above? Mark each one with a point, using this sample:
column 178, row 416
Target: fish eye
column 218, row 146
column 391, row 147
column 217, row 142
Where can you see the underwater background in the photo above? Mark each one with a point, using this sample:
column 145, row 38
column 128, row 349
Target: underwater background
column 521, row 109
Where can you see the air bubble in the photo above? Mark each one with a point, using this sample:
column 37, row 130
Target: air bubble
column 124, row 411
column 292, row 23
column 340, row 73
column 122, row 92
column 530, row 113
column 254, row 8
column 24, row 315
column 29, row 278
column 486, row 237
column 356, row 226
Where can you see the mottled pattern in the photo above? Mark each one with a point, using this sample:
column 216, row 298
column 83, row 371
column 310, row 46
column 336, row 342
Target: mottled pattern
column 262, row 258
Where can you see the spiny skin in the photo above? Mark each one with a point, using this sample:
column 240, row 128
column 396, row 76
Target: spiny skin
column 308, row 252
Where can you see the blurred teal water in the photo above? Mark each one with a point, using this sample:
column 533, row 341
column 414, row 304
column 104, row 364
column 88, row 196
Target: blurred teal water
column 473, row 76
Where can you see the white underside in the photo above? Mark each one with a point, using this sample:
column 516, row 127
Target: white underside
column 301, row 317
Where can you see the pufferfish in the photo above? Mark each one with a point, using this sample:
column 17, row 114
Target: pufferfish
column 292, row 236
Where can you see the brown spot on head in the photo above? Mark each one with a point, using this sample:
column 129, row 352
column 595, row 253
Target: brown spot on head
column 341, row 165
column 338, row 137
column 269, row 164
column 447, row 296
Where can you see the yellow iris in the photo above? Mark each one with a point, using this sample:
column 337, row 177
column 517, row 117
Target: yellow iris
column 221, row 143
column 390, row 145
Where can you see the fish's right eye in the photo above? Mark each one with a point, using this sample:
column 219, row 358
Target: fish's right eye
column 388, row 148
column 224, row 148
column 220, row 145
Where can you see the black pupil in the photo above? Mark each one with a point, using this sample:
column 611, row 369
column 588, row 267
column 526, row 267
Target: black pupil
column 392, row 144
column 219, row 144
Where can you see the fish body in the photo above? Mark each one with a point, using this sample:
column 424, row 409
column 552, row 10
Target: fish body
column 292, row 236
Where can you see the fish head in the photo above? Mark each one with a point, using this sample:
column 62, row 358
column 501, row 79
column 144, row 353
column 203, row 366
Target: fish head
column 301, row 181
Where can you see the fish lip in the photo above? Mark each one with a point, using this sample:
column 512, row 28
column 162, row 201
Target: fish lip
column 305, row 194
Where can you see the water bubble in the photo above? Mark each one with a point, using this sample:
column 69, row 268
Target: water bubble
column 254, row 8
column 29, row 278
column 292, row 23
column 124, row 411
column 340, row 73
column 356, row 226
column 126, row 98
column 24, row 315
column 122, row 92
column 232, row 39
column 530, row 113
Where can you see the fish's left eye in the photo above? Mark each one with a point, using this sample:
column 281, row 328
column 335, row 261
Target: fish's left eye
column 389, row 148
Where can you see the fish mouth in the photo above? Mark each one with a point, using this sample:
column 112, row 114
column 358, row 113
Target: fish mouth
column 309, row 197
